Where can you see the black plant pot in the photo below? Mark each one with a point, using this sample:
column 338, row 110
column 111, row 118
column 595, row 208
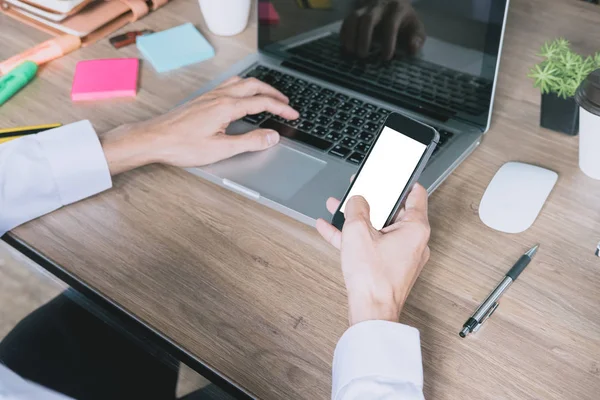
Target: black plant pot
column 558, row 114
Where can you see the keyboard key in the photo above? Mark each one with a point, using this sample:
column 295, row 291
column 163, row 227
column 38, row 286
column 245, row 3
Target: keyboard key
column 323, row 120
column 348, row 142
column 370, row 107
column 301, row 101
column 356, row 158
column 340, row 151
column 314, row 106
column 366, row 136
column 306, row 126
column 332, row 101
column 356, row 102
column 350, row 131
column 336, row 126
column 327, row 92
column 341, row 96
column 333, row 136
column 346, row 106
column 295, row 134
column 357, row 121
column 280, row 85
column 307, row 93
column 319, row 130
column 342, row 116
column 293, row 122
column 372, row 116
column 255, row 73
column 255, row 118
column 287, row 78
column 329, row 111
column 363, row 147
column 360, row 112
column 314, row 87
column 270, row 79
column 308, row 115
column 319, row 97
column 371, row 127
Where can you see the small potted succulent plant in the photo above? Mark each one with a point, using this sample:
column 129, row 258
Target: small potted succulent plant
column 558, row 76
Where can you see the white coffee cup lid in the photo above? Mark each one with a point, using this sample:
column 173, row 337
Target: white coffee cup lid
column 588, row 93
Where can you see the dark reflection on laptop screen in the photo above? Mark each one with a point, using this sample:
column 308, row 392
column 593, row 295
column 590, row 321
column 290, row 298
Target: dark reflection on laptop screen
column 395, row 45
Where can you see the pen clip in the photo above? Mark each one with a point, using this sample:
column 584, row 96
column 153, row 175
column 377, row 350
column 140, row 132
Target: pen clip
column 486, row 316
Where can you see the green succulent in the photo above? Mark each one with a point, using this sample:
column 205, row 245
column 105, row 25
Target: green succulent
column 562, row 70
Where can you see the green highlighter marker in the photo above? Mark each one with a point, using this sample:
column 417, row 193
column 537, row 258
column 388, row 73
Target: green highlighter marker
column 16, row 79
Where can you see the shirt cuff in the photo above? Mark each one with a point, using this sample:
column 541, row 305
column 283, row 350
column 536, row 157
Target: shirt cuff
column 76, row 160
column 378, row 349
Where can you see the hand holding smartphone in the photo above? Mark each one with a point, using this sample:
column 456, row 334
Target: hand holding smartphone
column 391, row 168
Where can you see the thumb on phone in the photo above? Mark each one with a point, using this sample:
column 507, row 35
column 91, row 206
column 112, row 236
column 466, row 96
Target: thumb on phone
column 358, row 209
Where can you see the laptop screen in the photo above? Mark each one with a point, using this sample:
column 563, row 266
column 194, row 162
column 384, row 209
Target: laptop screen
column 435, row 57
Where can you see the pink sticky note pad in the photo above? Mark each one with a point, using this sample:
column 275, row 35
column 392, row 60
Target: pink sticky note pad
column 267, row 14
column 105, row 79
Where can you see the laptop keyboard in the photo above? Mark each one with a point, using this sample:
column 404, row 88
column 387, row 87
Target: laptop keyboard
column 332, row 122
column 430, row 83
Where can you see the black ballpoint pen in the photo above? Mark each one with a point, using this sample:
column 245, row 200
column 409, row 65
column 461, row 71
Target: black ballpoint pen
column 487, row 308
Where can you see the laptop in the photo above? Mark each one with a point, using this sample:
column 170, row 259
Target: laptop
column 344, row 99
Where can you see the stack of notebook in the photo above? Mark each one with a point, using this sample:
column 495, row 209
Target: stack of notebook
column 89, row 19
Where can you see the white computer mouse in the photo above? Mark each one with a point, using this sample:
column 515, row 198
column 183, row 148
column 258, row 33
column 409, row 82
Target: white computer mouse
column 515, row 196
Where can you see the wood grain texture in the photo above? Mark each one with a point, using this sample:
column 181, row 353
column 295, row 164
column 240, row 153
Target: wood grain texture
column 260, row 298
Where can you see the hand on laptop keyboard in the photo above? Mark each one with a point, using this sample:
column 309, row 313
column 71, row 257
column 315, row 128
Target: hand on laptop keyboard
column 398, row 21
column 194, row 134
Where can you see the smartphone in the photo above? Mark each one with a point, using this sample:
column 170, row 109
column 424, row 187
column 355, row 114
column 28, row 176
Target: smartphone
column 391, row 168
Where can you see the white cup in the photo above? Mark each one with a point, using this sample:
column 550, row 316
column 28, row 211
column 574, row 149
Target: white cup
column 589, row 143
column 225, row 17
column 588, row 98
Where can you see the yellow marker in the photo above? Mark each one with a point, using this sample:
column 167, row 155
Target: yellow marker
column 14, row 133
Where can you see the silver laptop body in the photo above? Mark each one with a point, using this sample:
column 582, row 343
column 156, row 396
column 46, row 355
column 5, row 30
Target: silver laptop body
column 296, row 179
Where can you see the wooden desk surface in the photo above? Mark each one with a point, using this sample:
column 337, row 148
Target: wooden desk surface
column 260, row 298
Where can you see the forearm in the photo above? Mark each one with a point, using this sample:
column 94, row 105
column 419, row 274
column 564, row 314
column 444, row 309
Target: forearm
column 130, row 146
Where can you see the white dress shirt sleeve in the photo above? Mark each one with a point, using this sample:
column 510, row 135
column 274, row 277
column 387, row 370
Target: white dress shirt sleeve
column 378, row 360
column 41, row 173
column 13, row 387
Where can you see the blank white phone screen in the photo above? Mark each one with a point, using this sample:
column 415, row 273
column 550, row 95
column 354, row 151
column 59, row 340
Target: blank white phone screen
column 386, row 173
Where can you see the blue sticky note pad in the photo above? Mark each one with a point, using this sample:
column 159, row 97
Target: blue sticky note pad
column 175, row 47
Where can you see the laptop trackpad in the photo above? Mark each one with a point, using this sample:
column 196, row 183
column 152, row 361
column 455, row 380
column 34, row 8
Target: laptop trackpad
column 277, row 173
